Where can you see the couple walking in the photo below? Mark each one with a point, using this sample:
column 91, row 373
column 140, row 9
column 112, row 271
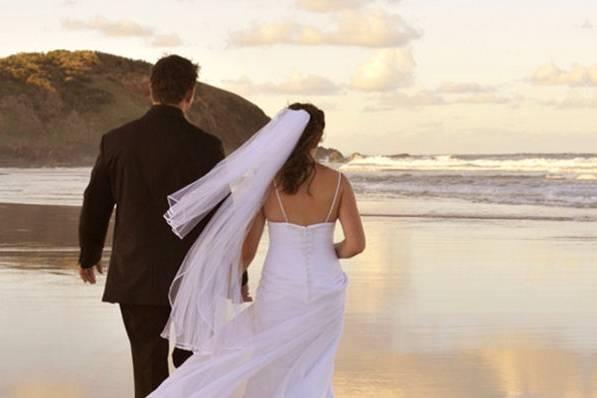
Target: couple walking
column 183, row 278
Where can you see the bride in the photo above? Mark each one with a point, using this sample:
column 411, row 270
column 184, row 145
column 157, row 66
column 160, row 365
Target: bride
column 284, row 343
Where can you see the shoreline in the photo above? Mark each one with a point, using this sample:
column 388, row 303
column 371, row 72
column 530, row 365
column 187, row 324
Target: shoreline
column 70, row 209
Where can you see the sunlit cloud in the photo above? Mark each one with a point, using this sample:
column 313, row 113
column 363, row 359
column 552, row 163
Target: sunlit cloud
column 576, row 76
column 268, row 34
column 587, row 25
column 396, row 100
column 328, row 5
column 297, row 84
column 168, row 40
column 464, row 87
column 571, row 103
column 348, row 28
column 427, row 98
column 386, row 70
column 123, row 28
column 119, row 28
column 482, row 98
column 334, row 5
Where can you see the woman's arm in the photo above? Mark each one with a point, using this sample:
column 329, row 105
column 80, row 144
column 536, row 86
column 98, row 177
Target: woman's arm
column 348, row 214
column 252, row 239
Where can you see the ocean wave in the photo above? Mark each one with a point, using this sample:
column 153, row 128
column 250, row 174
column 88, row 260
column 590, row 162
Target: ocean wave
column 548, row 180
column 478, row 187
column 587, row 177
column 553, row 164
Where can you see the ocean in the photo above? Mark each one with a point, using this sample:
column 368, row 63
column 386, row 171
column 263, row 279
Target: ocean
column 552, row 186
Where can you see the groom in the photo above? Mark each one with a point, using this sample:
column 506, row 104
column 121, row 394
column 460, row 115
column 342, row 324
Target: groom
column 138, row 166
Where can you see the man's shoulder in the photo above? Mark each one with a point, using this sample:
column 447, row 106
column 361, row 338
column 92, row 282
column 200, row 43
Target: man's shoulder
column 129, row 131
column 203, row 137
column 122, row 130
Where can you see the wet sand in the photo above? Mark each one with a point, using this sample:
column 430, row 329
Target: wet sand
column 437, row 308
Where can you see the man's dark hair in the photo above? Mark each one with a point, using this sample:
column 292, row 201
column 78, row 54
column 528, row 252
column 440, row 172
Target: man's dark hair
column 171, row 78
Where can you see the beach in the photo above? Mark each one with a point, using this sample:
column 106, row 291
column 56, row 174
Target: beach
column 437, row 307
column 466, row 130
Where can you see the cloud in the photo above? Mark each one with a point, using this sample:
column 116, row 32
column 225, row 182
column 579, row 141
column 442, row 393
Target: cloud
column 333, row 5
column 481, row 98
column 123, row 28
column 464, row 87
column 396, row 100
column 168, row 40
column 267, row 34
column 120, row 28
column 576, row 76
column 348, row 28
column 587, row 25
column 578, row 103
column 571, row 103
column 474, row 93
column 297, row 84
column 426, row 98
column 328, row 5
column 387, row 70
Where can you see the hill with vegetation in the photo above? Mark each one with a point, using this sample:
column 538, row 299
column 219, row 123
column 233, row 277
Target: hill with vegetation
column 55, row 106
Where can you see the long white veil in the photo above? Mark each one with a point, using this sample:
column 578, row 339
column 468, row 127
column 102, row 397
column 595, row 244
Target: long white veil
column 205, row 293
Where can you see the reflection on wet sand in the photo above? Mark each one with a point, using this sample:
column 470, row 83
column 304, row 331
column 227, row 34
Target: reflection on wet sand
column 47, row 389
column 460, row 309
column 510, row 369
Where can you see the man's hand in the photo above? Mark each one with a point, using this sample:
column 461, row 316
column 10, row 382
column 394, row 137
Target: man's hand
column 246, row 295
column 88, row 275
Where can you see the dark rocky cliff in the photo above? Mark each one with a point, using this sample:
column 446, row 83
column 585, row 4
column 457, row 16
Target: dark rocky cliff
column 55, row 106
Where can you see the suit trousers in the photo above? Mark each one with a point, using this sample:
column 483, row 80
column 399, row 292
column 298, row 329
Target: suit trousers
column 143, row 324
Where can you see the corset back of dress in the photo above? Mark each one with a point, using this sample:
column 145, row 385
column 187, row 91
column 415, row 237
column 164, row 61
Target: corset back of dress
column 303, row 258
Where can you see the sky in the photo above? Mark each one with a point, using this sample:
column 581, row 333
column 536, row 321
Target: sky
column 393, row 76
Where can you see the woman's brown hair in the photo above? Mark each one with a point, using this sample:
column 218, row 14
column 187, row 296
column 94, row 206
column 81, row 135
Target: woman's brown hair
column 300, row 165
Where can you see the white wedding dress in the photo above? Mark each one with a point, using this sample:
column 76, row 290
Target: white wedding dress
column 282, row 345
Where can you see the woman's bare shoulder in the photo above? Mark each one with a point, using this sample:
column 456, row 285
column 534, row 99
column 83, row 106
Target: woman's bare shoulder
column 331, row 173
column 326, row 170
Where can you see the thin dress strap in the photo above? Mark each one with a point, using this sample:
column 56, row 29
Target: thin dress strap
column 280, row 202
column 327, row 219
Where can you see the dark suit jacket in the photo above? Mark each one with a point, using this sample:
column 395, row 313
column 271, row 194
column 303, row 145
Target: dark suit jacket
column 138, row 166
